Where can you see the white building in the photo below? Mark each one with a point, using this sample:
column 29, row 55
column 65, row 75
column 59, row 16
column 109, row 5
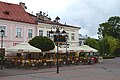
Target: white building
column 82, row 39
column 45, row 25
column 19, row 26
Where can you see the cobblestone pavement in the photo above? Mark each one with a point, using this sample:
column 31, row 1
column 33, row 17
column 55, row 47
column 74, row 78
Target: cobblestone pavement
column 108, row 70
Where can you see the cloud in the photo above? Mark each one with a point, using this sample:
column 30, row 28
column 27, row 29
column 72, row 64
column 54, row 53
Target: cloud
column 90, row 13
column 87, row 14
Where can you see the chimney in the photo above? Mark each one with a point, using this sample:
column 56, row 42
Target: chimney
column 23, row 5
column 37, row 15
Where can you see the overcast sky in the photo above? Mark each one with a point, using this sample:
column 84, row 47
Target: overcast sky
column 87, row 14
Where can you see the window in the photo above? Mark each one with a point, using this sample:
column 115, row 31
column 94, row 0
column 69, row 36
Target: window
column 3, row 28
column 72, row 36
column 40, row 32
column 19, row 32
column 30, row 33
column 48, row 34
column 80, row 43
column 67, row 36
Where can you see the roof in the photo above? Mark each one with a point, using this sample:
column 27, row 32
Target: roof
column 14, row 12
column 54, row 23
column 70, row 26
column 38, row 20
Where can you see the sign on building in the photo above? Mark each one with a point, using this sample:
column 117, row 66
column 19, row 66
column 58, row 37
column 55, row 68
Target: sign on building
column 59, row 38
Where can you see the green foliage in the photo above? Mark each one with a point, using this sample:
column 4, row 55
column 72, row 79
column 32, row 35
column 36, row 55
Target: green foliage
column 108, row 57
column 107, row 29
column 112, row 43
column 111, row 27
column 43, row 43
column 92, row 42
column 108, row 45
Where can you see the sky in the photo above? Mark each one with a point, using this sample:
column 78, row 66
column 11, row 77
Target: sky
column 87, row 14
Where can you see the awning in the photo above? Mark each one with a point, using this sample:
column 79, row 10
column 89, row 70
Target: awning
column 86, row 48
column 83, row 48
column 60, row 50
column 72, row 49
column 23, row 47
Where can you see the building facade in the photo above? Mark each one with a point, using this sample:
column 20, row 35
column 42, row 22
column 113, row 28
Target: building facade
column 72, row 32
column 20, row 26
column 82, row 39
column 16, row 23
column 45, row 25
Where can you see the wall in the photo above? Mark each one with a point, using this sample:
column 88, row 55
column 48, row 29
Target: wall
column 10, row 38
column 69, row 30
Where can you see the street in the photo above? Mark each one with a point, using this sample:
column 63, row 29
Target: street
column 108, row 70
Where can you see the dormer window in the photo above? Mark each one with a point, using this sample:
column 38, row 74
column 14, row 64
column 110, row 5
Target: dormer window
column 6, row 12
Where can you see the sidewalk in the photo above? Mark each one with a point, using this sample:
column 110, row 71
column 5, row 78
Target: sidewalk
column 106, row 71
column 16, row 71
column 66, row 73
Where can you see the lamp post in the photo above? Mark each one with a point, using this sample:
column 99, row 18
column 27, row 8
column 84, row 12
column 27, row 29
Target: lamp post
column 66, row 37
column 67, row 59
column 57, row 34
column 2, row 34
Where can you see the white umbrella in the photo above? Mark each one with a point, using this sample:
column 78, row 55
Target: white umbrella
column 60, row 50
column 23, row 47
column 72, row 49
column 87, row 48
column 83, row 48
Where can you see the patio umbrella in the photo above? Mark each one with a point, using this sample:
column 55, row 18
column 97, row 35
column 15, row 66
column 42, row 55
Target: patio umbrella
column 60, row 50
column 87, row 48
column 83, row 48
column 72, row 49
column 23, row 47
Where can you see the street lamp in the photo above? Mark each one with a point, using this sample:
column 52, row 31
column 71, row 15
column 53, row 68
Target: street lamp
column 66, row 37
column 58, row 38
column 67, row 59
column 2, row 34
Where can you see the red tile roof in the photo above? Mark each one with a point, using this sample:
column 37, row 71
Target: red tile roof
column 14, row 12
column 37, row 20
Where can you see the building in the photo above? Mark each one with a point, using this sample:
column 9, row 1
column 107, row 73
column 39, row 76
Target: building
column 20, row 26
column 82, row 39
column 16, row 23
column 45, row 25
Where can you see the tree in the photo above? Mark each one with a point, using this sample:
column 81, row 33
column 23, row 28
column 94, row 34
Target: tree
column 112, row 42
column 103, row 47
column 108, row 45
column 43, row 43
column 111, row 27
column 92, row 42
